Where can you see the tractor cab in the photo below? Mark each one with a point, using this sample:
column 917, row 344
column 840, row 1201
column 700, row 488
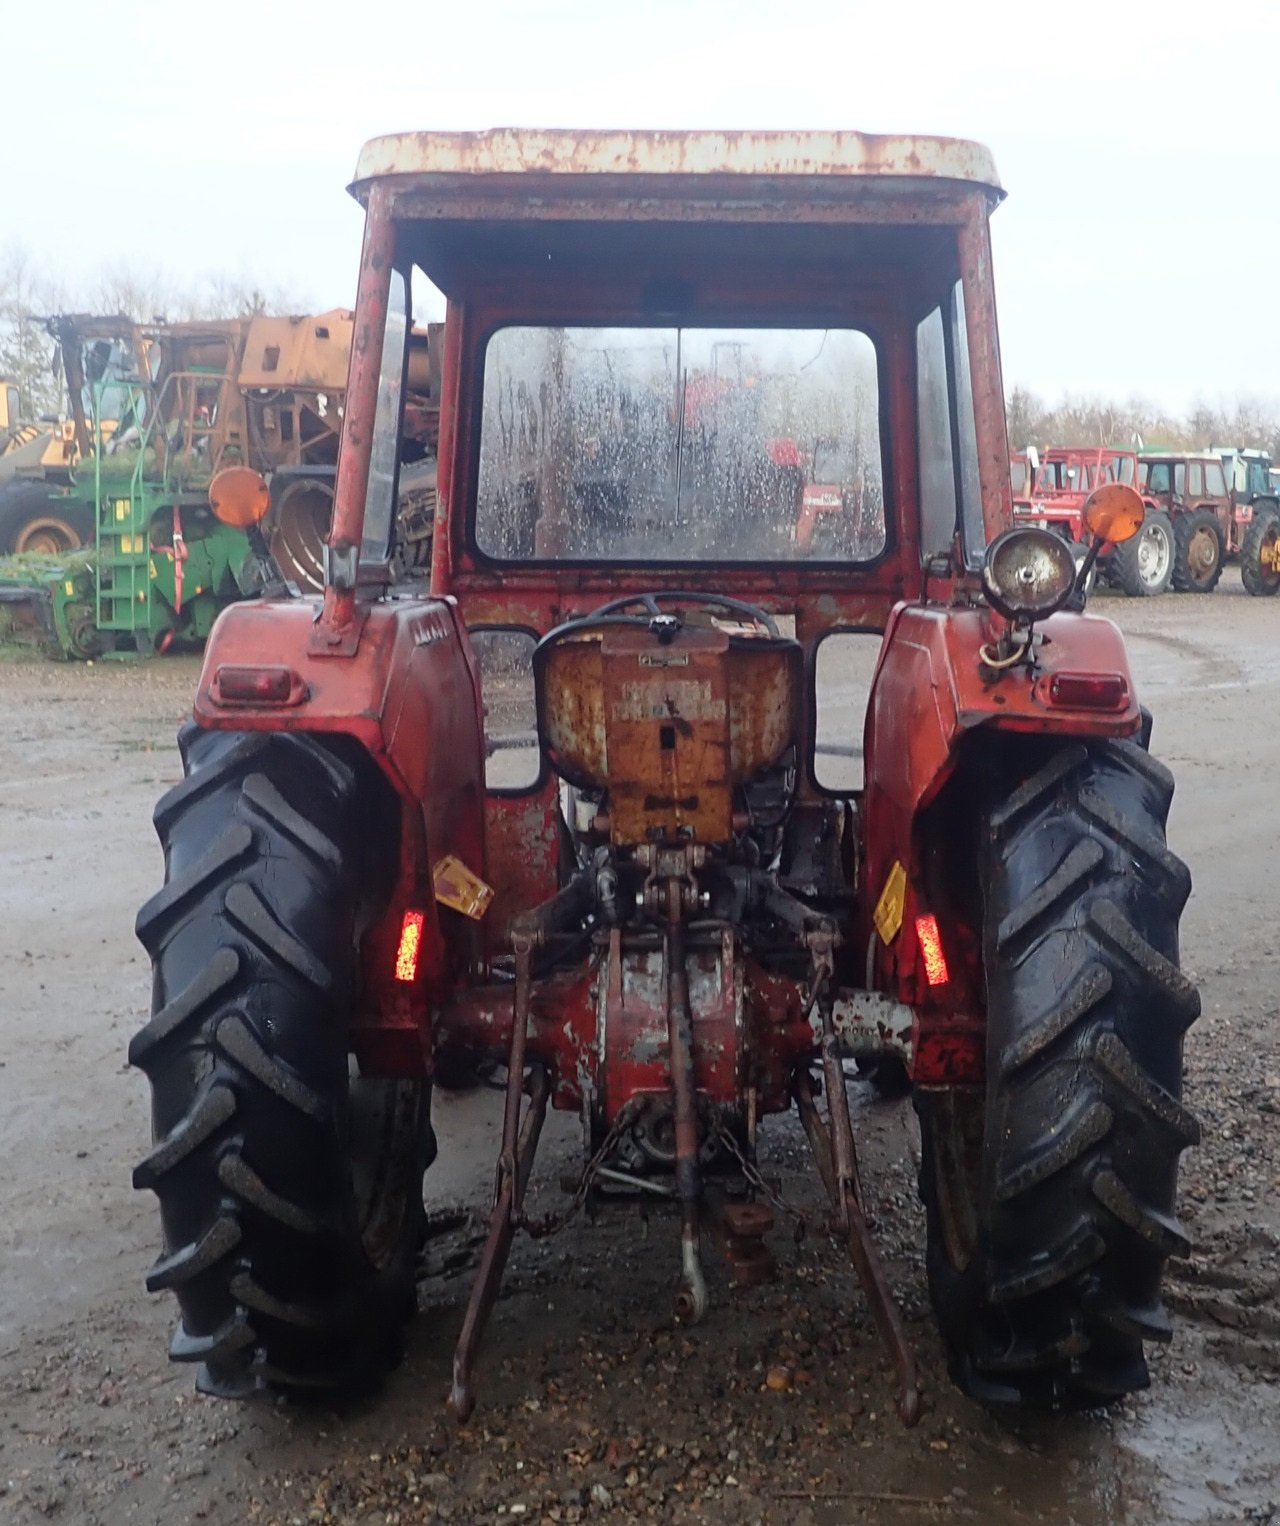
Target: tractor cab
column 660, row 808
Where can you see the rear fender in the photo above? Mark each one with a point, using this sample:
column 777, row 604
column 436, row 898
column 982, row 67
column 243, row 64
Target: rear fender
column 409, row 694
column 930, row 696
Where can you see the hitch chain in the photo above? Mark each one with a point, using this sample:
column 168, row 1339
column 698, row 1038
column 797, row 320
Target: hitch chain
column 751, row 1175
column 540, row 1226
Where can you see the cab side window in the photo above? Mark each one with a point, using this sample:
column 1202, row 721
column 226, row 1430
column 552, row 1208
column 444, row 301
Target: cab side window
column 937, row 463
column 950, row 488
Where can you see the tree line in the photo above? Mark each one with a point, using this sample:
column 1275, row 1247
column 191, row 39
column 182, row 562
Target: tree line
column 1246, row 422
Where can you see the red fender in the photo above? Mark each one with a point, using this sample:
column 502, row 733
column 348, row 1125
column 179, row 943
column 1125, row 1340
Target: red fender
column 409, row 694
column 930, row 689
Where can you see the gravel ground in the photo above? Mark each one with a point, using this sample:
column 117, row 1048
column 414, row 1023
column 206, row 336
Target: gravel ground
column 593, row 1403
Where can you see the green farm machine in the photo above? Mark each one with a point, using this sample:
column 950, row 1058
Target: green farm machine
column 127, row 551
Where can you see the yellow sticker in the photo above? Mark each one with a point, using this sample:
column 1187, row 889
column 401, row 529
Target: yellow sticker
column 892, row 902
column 459, row 889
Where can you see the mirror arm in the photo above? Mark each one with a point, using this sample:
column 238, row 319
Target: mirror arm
column 1076, row 601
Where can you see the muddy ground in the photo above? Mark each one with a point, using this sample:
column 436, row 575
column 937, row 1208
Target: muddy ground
column 593, row 1403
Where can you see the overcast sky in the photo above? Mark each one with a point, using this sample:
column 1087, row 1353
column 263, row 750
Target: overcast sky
column 1138, row 252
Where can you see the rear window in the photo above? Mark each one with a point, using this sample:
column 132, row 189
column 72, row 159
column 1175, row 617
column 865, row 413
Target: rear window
column 669, row 444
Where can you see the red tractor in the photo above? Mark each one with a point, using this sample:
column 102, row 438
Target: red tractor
column 839, row 515
column 1191, row 493
column 569, row 812
column 1143, row 565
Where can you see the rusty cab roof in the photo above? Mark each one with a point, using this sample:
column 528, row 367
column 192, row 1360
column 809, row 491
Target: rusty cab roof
column 556, row 155
column 485, row 203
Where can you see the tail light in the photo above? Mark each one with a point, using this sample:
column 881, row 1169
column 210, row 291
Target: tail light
column 1089, row 691
column 930, row 941
column 410, row 946
column 256, row 685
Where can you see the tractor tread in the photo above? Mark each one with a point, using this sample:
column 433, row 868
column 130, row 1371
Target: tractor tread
column 237, row 1176
column 1067, row 1170
column 233, row 1335
column 1033, row 790
column 1021, row 1358
column 1115, row 1057
column 227, row 1379
column 1143, row 845
column 293, row 1378
column 188, row 1261
column 1148, row 1323
column 1087, row 988
column 187, row 792
column 190, row 1002
column 159, row 913
column 339, row 773
column 1103, row 1380
column 1116, row 930
column 1067, row 1140
column 265, row 803
column 1161, row 1230
column 1078, row 866
column 305, row 1316
column 1064, row 1259
column 237, row 1040
column 250, row 913
column 212, row 1109
column 1129, row 755
column 278, row 847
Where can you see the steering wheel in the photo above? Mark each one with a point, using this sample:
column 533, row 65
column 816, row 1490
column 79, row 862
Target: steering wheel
column 663, row 622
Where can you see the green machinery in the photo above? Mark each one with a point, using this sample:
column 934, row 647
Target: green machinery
column 162, row 419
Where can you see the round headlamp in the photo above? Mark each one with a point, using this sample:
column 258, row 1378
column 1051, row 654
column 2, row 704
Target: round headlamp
column 1028, row 574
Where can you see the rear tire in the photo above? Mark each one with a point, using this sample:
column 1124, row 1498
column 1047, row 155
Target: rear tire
column 1199, row 552
column 290, row 1190
column 1258, row 577
column 1050, row 1198
column 1143, row 565
column 29, row 509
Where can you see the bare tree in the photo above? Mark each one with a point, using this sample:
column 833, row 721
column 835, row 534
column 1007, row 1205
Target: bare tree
column 26, row 350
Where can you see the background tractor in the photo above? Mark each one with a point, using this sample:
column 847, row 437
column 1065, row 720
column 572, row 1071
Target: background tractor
column 1191, row 491
column 627, row 814
column 1255, row 500
column 1063, row 481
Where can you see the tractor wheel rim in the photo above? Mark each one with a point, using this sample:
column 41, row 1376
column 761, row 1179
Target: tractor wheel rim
column 50, row 536
column 1202, row 554
column 1153, row 554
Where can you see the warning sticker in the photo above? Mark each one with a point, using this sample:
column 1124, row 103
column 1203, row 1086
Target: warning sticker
column 458, row 888
column 892, row 902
